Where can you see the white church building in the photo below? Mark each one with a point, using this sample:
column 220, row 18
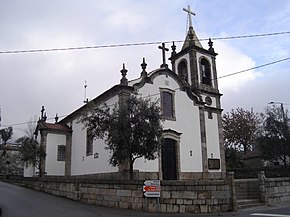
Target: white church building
column 190, row 106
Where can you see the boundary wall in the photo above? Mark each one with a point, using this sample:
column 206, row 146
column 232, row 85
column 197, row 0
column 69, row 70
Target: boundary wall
column 196, row 196
column 269, row 191
column 274, row 190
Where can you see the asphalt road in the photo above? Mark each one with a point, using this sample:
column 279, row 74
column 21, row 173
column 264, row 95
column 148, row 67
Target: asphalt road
column 17, row 201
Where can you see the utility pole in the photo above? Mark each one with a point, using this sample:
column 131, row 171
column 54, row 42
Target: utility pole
column 282, row 110
column 0, row 115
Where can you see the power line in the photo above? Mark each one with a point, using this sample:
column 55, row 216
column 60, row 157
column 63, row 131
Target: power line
column 28, row 122
column 256, row 67
column 136, row 44
column 155, row 94
column 249, row 36
column 78, row 48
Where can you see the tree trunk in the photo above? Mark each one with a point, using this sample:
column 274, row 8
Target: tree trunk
column 131, row 170
column 40, row 167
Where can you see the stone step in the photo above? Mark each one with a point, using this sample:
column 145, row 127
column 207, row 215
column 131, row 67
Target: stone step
column 248, row 203
column 247, row 196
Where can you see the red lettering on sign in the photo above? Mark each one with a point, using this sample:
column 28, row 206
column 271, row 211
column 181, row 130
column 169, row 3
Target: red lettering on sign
column 151, row 188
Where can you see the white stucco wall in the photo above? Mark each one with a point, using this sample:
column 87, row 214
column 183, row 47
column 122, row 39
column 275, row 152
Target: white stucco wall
column 187, row 122
column 52, row 166
column 212, row 137
column 82, row 164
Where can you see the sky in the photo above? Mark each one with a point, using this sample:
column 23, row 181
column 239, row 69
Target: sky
column 56, row 79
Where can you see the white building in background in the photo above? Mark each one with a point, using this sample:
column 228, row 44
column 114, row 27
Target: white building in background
column 190, row 104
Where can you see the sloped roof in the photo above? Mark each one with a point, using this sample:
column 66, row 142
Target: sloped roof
column 54, row 127
column 191, row 37
column 113, row 91
column 10, row 147
column 252, row 154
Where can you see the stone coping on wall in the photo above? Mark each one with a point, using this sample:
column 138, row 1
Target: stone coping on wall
column 280, row 179
column 193, row 196
column 113, row 181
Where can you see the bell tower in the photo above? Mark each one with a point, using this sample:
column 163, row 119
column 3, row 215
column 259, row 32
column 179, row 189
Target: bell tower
column 194, row 64
column 196, row 67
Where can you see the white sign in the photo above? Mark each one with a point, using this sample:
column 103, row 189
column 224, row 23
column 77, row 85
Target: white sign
column 152, row 182
column 151, row 194
column 151, row 188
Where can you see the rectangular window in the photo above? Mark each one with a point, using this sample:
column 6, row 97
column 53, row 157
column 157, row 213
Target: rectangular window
column 89, row 145
column 167, row 104
column 61, row 153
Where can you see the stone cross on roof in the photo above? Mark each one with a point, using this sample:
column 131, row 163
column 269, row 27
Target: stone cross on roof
column 188, row 10
column 163, row 48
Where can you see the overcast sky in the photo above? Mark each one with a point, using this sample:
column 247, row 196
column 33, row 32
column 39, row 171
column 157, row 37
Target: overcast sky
column 56, row 79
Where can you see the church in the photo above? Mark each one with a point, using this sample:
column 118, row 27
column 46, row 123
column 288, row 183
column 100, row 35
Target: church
column 187, row 89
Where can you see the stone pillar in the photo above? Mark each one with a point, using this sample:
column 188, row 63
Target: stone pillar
column 262, row 179
column 203, row 143
column 42, row 161
column 68, row 155
column 231, row 182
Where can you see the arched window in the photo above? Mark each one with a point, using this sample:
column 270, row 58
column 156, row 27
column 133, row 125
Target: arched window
column 182, row 70
column 167, row 104
column 205, row 71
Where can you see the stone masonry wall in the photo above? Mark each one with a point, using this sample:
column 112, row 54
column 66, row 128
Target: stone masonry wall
column 277, row 190
column 247, row 189
column 200, row 196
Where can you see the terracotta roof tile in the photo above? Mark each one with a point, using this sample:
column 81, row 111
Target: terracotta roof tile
column 253, row 154
column 51, row 126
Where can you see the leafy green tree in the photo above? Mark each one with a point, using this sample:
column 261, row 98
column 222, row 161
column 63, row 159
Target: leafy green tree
column 11, row 163
column 131, row 130
column 5, row 135
column 233, row 158
column 31, row 152
column 274, row 142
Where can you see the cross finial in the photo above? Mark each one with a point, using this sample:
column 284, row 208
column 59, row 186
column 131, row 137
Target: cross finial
column 163, row 48
column 44, row 117
column 210, row 44
column 189, row 13
column 124, row 80
column 143, row 65
column 173, row 47
column 42, row 112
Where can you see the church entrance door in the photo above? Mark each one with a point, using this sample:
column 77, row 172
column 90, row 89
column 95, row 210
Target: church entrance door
column 168, row 158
